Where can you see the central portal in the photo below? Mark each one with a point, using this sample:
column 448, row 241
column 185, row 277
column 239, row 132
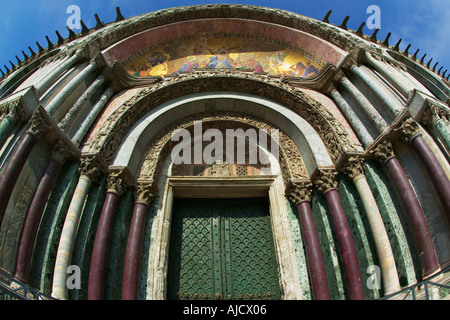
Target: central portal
column 222, row 249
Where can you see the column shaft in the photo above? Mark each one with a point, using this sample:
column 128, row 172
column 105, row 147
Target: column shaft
column 313, row 252
column 434, row 168
column 442, row 131
column 13, row 169
column 133, row 253
column 33, row 218
column 415, row 215
column 6, row 128
column 384, row 251
column 365, row 104
column 351, row 116
column 346, row 246
column 101, row 245
column 64, row 253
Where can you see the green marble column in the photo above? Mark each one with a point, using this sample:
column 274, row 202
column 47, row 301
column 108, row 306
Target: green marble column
column 6, row 128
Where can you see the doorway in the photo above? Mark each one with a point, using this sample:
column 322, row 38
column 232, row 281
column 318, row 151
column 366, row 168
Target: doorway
column 222, row 249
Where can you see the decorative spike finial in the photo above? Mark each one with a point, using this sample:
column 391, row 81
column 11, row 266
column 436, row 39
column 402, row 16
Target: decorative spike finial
column 3, row 74
column 50, row 44
column 84, row 28
column 12, row 64
column 31, row 51
column 397, row 46
column 25, row 56
column 71, row 33
column 39, row 46
column 119, row 15
column 407, row 49
column 325, row 19
column 429, row 62
column 386, row 41
column 7, row 70
column 439, row 71
column 99, row 22
column 373, row 38
column 434, row 67
column 18, row 60
column 444, row 72
column 423, row 58
column 344, row 23
column 359, row 32
column 60, row 39
column 415, row 54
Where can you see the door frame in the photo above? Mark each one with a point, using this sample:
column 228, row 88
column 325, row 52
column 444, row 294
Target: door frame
column 270, row 186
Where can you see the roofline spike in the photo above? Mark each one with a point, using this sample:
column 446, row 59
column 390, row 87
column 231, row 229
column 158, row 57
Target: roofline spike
column 25, row 56
column 31, row 51
column 39, row 46
column 84, row 28
column 50, row 44
column 7, row 70
column 72, row 34
column 119, row 16
column 373, row 37
column 386, row 41
column 397, row 46
column 415, row 54
column 407, row 49
column 443, row 74
column 359, row 32
column 18, row 60
column 12, row 64
column 435, row 65
column 99, row 22
column 60, row 39
column 3, row 74
column 423, row 58
column 344, row 23
column 439, row 71
column 325, row 19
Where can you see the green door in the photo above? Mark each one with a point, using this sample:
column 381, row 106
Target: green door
column 222, row 249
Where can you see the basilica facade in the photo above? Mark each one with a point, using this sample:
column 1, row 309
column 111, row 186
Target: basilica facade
column 226, row 152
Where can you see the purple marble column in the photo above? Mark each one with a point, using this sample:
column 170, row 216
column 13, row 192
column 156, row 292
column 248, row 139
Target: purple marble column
column 434, row 168
column 327, row 184
column 316, row 264
column 100, row 249
column 418, row 223
column 13, row 169
column 33, row 218
column 130, row 279
column 416, row 216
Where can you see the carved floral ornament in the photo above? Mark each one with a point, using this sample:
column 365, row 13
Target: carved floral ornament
column 114, row 129
column 291, row 162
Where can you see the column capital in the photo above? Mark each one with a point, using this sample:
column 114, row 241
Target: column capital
column 325, row 180
column 119, row 179
column 299, row 191
column 60, row 151
column 433, row 113
column 40, row 122
column 409, row 129
column 354, row 167
column 15, row 110
column 91, row 166
column 144, row 191
column 383, row 151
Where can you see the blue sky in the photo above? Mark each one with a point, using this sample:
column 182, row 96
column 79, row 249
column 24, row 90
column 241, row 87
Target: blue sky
column 423, row 23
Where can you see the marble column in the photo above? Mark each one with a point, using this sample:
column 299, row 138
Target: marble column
column 355, row 170
column 326, row 183
column 33, row 217
column 43, row 85
column 130, row 280
column 116, row 187
column 16, row 115
column 411, row 133
column 89, row 171
column 54, row 106
column 393, row 106
column 300, row 194
column 371, row 112
column 393, row 76
column 352, row 117
column 17, row 160
column 437, row 119
column 419, row 227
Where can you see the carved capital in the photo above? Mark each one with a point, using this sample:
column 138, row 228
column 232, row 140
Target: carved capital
column 40, row 122
column 299, row 191
column 326, row 180
column 383, row 151
column 409, row 129
column 60, row 151
column 91, row 166
column 354, row 167
column 17, row 112
column 433, row 113
column 144, row 191
column 119, row 179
